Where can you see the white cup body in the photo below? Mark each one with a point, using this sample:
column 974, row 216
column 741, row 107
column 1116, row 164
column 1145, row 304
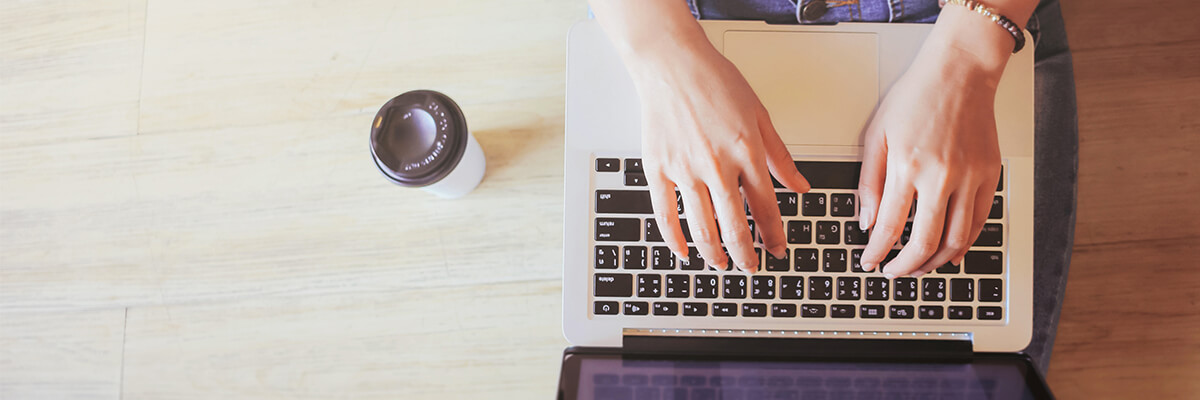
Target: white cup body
column 465, row 176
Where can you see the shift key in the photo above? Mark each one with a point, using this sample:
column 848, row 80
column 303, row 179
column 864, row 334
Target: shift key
column 618, row 229
column 614, row 285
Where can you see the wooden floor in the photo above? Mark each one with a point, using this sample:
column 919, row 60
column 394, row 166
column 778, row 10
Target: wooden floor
column 188, row 208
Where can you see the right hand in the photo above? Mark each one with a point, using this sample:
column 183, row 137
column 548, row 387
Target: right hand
column 705, row 132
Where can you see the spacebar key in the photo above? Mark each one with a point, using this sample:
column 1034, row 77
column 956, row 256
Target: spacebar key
column 623, row 202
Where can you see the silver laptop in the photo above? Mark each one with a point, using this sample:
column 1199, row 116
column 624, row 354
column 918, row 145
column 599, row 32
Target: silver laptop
column 820, row 84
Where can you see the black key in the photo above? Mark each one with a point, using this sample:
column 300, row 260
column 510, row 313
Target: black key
column 856, row 261
column 849, row 288
column 871, row 311
column 820, row 288
column 778, row 264
column 991, row 313
column 835, row 260
column 635, row 257
column 635, row 179
column 906, row 234
column 607, row 165
column 930, row 312
column 933, row 289
column 704, row 394
column 997, row 211
column 633, row 165
column 636, row 308
column 706, row 287
column 812, row 311
column 947, row 269
column 906, row 289
column 695, row 309
column 606, row 308
column 663, row 380
column 724, row 310
column 991, row 236
column 901, row 312
column 677, row 286
column 841, row 311
column 983, row 262
column 754, row 310
column 612, row 393
column 842, row 205
column 752, row 380
column 635, row 380
column 606, row 257
column 855, row 234
column 813, row 204
column 678, row 203
column 666, row 308
column 762, row 287
column 962, row 289
column 828, row 232
column 614, row 285
column 806, row 260
column 623, row 202
column 693, row 380
column 783, row 310
column 959, row 312
column 891, row 255
column 999, row 185
column 799, row 232
column 694, row 261
column 787, row 204
column 877, row 289
column 618, row 229
column 649, row 285
column 791, row 287
column 652, row 232
column 779, row 382
column 661, row 258
column 735, row 286
column 991, row 290
column 830, row 174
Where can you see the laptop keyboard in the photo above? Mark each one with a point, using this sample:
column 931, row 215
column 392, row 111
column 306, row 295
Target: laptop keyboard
column 783, row 385
column 635, row 274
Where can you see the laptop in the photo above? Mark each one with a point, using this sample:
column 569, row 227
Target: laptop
column 643, row 324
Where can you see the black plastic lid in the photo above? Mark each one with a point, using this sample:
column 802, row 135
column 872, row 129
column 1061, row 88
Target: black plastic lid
column 418, row 137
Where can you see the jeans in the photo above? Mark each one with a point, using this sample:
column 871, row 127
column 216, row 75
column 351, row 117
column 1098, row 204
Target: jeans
column 1056, row 136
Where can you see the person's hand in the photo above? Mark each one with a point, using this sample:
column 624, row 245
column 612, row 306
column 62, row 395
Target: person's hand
column 933, row 137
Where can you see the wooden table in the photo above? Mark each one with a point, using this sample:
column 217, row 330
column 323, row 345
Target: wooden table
column 188, row 208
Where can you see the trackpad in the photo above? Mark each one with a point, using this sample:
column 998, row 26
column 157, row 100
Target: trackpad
column 820, row 88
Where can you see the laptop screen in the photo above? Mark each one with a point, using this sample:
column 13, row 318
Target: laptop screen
column 611, row 376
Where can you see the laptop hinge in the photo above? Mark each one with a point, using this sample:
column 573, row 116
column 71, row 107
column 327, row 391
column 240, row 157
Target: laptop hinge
column 799, row 344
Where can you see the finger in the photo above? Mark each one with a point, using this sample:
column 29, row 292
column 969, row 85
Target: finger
column 893, row 213
column 760, row 196
column 983, row 205
column 698, row 208
column 928, row 224
column 662, row 199
column 731, row 217
column 872, row 177
column 779, row 159
column 955, row 237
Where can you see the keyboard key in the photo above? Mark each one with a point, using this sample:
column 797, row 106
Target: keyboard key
column 606, row 308
column 724, row 310
column 735, row 286
column 813, row 204
column 830, row 174
column 606, row 257
column 856, row 261
column 805, row 260
column 635, row 257
column 877, row 289
column 783, row 310
column 787, row 204
column 666, row 308
column 649, row 285
column 812, row 311
column 933, row 289
column 661, row 258
column 652, row 233
column 901, row 312
column 871, row 311
column 842, row 205
column 799, row 232
column 962, row 289
column 623, row 202
column 906, row 289
column 762, row 287
column 706, row 287
column 678, row 203
column 848, row 289
column 991, row 290
column 891, row 255
column 791, row 287
column 835, row 260
column 778, row 264
column 991, row 236
column 855, row 234
column 695, row 309
column 618, row 229
column 820, row 288
column 991, row 313
column 677, row 286
column 612, row 393
column 633, row 165
column 983, row 262
column 635, row 179
column 754, row 310
column 997, row 211
column 930, row 312
column 635, row 380
column 841, row 311
column 614, row 285
column 636, row 308
column 906, row 234
column 828, row 232
column 947, row 269
column 607, row 165
column 959, row 312
column 694, row 262
column 1000, row 185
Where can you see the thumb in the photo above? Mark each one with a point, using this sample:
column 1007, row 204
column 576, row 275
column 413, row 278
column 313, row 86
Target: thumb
column 779, row 159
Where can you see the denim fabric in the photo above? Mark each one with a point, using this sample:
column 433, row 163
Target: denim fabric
column 1056, row 136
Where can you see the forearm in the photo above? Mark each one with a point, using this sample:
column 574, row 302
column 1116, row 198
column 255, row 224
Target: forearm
column 649, row 32
column 975, row 41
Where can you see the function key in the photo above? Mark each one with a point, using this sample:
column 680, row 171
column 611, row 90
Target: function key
column 618, row 229
column 606, row 308
column 930, row 312
column 871, row 311
column 983, row 262
column 783, row 310
column 666, row 308
column 959, row 312
column 614, row 285
column 608, row 165
column 991, row 313
column 623, row 202
column 813, row 205
column 695, row 309
column 827, row 232
column 991, row 290
column 901, row 312
column 842, row 205
column 991, row 236
column 841, row 311
column 633, row 165
column 997, row 208
column 812, row 311
column 724, row 310
column 606, row 257
column 787, row 204
column 636, row 308
column 754, row 310
column 635, row 179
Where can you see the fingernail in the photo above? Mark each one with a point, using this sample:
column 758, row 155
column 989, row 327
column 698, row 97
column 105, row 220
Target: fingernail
column 960, row 261
column 888, row 275
column 868, row 267
column 779, row 252
column 679, row 257
column 918, row 274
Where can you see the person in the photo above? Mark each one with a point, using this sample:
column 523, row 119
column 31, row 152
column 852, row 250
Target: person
column 932, row 137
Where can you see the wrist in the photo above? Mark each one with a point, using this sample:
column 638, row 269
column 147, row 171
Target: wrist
column 969, row 40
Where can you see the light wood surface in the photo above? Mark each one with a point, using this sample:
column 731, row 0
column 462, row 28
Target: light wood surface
column 188, row 208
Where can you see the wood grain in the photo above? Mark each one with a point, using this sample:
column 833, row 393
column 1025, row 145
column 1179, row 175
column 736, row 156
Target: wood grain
column 67, row 355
